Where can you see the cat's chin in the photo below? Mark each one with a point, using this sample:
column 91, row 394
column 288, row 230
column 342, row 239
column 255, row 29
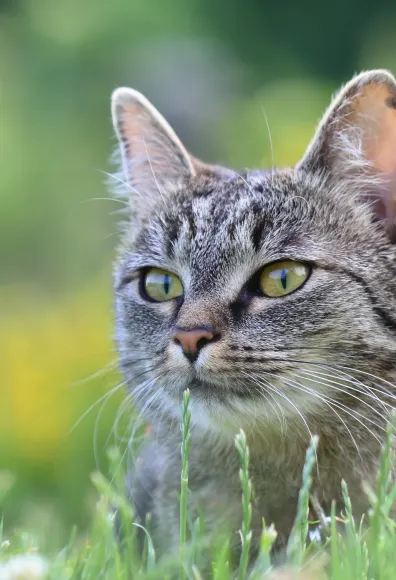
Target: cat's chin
column 211, row 391
column 224, row 415
column 225, row 409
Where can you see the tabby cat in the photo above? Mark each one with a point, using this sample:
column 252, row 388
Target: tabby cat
column 271, row 295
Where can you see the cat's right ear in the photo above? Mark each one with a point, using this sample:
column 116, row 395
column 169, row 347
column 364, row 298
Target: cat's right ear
column 355, row 144
column 154, row 160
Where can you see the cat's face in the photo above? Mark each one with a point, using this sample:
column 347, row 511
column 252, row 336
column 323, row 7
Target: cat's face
column 267, row 294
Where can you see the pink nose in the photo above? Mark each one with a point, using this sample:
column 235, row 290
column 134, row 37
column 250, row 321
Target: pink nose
column 192, row 341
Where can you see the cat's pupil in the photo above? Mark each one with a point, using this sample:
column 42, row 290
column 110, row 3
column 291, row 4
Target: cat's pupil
column 167, row 283
column 283, row 279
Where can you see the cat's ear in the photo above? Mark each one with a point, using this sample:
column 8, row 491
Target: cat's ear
column 153, row 157
column 356, row 141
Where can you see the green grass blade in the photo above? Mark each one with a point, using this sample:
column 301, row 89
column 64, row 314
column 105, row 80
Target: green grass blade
column 296, row 545
column 246, row 485
column 185, row 448
column 377, row 513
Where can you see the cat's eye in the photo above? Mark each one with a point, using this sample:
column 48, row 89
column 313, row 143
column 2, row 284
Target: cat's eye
column 160, row 285
column 282, row 278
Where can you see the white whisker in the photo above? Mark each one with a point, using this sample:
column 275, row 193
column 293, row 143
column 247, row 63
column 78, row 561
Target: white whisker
column 279, row 393
column 271, row 145
column 328, row 402
column 112, row 199
column 352, row 413
column 321, row 379
column 97, row 402
column 282, row 417
column 106, row 369
column 122, row 182
column 152, row 170
column 242, row 178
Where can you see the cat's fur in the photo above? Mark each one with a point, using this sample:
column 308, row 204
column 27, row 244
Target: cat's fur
column 319, row 361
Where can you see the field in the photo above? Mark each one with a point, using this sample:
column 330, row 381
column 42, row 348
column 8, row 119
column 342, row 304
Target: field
column 334, row 547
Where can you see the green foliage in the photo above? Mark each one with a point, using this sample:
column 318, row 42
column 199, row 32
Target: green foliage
column 349, row 553
column 297, row 543
column 246, row 486
column 185, row 448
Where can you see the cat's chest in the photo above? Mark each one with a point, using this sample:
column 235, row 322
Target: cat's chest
column 276, row 483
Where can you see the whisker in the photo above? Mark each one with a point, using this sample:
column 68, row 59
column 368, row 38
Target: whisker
column 96, row 427
column 95, row 404
column 351, row 412
column 106, row 369
column 282, row 418
column 337, row 367
column 328, row 401
column 112, row 199
column 381, row 390
column 372, row 376
column 116, row 178
column 127, row 402
column 330, row 382
column 138, row 422
column 271, row 146
column 368, row 390
column 242, row 178
column 281, row 394
column 152, row 170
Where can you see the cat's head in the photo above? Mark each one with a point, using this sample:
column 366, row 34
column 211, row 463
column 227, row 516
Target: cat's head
column 266, row 293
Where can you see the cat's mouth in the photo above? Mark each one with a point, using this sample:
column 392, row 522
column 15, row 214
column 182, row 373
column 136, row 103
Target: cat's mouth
column 206, row 389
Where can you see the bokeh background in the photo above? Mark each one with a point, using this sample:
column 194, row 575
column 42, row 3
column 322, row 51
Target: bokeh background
column 225, row 74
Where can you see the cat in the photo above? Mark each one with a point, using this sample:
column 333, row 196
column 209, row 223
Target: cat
column 271, row 296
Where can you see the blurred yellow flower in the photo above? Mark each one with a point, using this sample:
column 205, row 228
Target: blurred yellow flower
column 44, row 351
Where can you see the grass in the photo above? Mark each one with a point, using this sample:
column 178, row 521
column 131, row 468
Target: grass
column 344, row 549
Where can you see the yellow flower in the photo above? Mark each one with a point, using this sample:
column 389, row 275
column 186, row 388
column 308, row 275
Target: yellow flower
column 44, row 351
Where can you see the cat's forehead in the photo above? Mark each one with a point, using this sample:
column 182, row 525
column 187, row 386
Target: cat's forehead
column 238, row 212
column 217, row 226
column 217, row 233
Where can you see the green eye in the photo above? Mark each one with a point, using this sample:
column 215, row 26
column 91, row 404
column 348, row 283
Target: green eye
column 282, row 278
column 160, row 285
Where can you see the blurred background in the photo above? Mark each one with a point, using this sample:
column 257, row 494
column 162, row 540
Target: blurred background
column 224, row 74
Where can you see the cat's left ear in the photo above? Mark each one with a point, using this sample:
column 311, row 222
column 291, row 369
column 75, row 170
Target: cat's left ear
column 356, row 142
column 153, row 157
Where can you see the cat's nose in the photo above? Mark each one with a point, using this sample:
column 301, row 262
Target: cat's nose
column 192, row 340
